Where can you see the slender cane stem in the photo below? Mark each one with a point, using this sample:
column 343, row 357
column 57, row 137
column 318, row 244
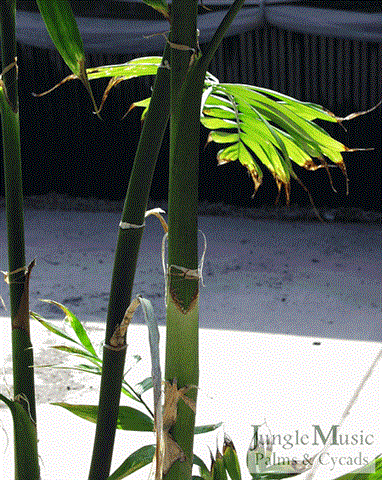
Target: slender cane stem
column 21, row 346
column 182, row 363
column 19, row 273
column 188, row 70
column 124, row 269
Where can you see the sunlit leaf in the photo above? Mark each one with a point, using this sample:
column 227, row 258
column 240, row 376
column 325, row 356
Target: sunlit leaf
column 221, row 112
column 76, row 326
column 223, row 137
column 213, row 123
column 137, row 460
column 52, row 328
column 128, row 418
column 79, row 353
column 138, row 67
column 260, row 126
column 145, row 103
column 309, row 111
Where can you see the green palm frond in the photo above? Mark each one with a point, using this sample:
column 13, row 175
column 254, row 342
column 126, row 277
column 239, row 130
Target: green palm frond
column 259, row 126
column 255, row 125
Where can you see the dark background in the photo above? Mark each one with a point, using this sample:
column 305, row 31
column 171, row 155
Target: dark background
column 67, row 149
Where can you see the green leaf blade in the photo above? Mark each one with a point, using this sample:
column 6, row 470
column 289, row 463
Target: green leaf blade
column 62, row 27
column 77, row 327
column 52, row 328
column 79, row 353
column 138, row 67
column 310, row 111
column 207, row 428
column 218, row 470
column 220, row 112
column 215, row 123
column 230, row 459
column 223, row 137
column 63, row 30
column 128, row 418
column 137, row 460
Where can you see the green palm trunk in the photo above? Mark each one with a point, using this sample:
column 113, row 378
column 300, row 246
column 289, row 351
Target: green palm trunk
column 23, row 408
column 124, row 270
column 188, row 70
column 182, row 361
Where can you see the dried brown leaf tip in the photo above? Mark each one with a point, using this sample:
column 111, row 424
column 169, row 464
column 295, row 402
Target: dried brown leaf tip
column 118, row 338
column 64, row 80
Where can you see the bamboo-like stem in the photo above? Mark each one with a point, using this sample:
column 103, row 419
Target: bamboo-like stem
column 219, row 34
column 25, row 442
column 137, row 196
column 22, row 351
column 124, row 268
column 11, row 149
column 182, row 354
column 112, row 368
column 19, row 273
column 188, row 70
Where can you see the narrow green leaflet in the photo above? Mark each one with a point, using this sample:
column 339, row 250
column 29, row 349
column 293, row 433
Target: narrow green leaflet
column 218, row 471
column 220, row 112
column 214, row 123
column 231, row 460
column 128, row 419
column 79, row 353
column 137, row 460
column 52, row 328
column 207, row 428
column 260, row 126
column 89, row 354
column 309, row 111
column 145, row 103
column 76, row 326
column 62, row 28
column 138, row 67
column 223, row 137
